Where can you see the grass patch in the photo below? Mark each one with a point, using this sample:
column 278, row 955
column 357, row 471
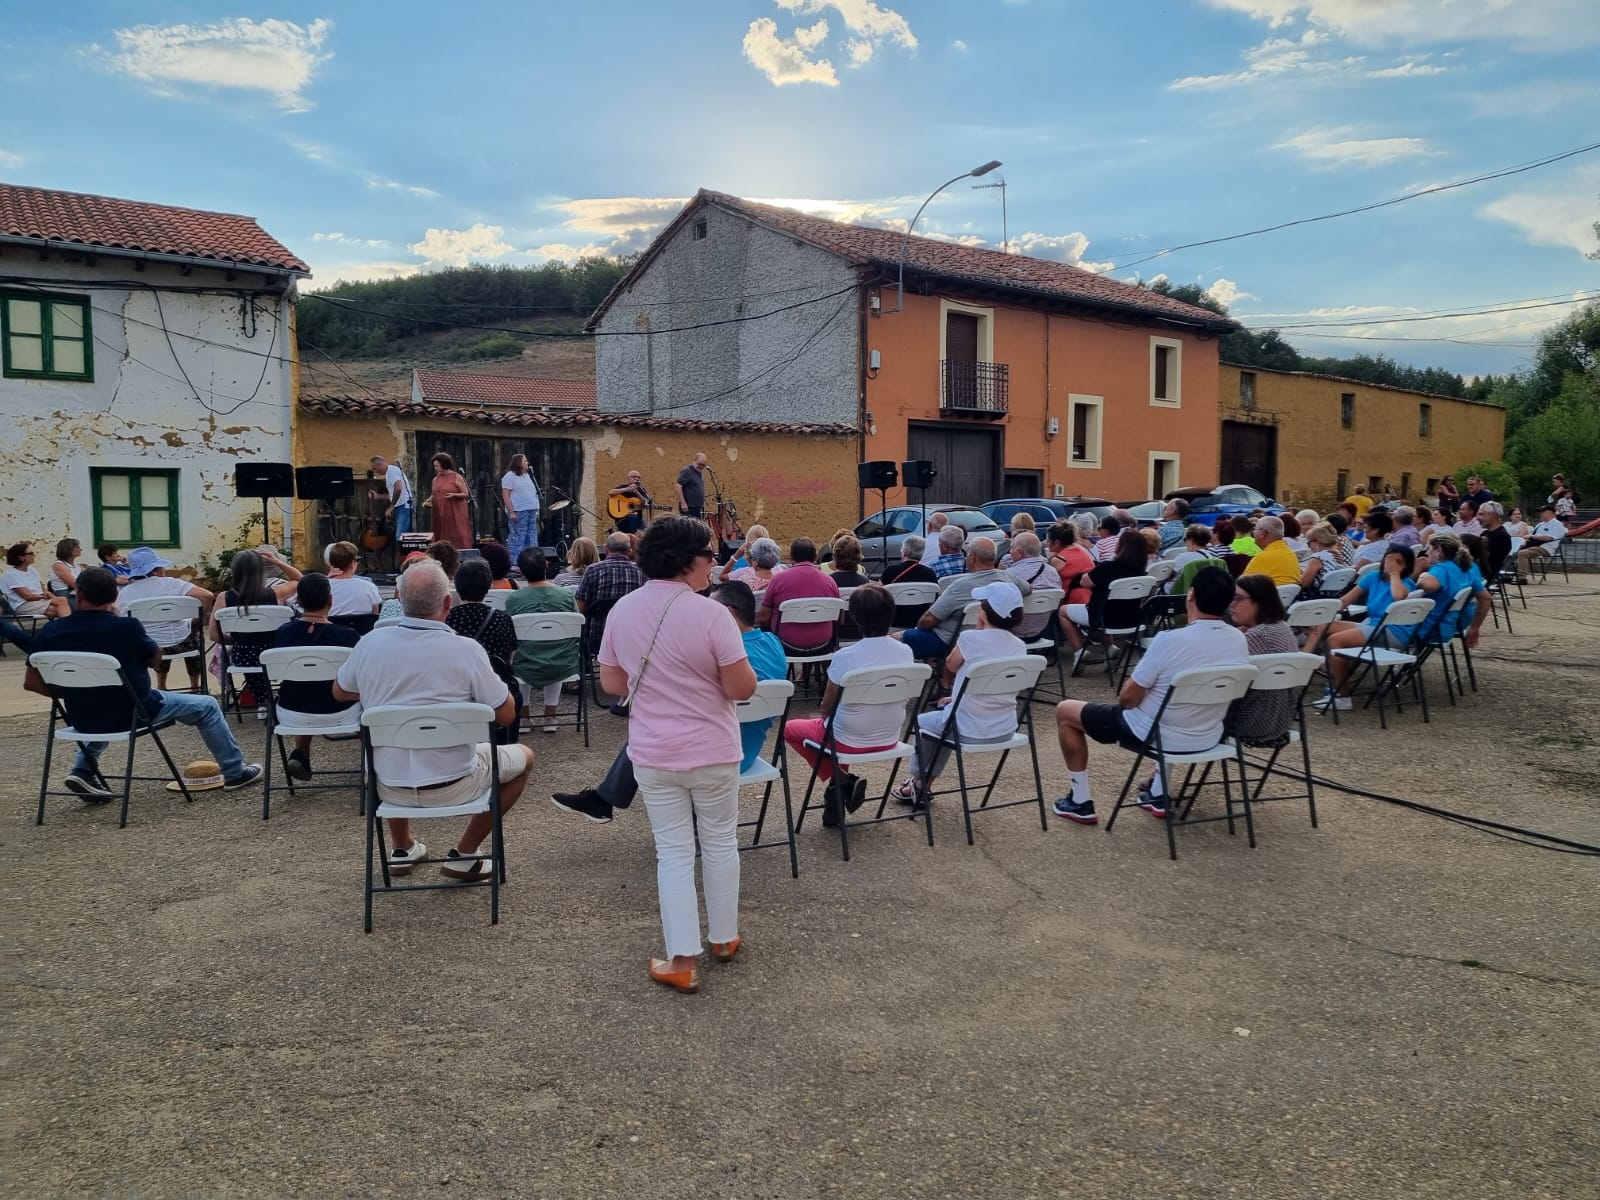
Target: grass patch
column 1575, row 740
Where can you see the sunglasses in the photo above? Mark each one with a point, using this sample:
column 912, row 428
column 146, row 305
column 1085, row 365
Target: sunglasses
column 708, row 555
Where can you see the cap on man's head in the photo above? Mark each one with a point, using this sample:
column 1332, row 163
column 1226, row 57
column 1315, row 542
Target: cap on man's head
column 1005, row 598
column 144, row 560
column 1547, row 508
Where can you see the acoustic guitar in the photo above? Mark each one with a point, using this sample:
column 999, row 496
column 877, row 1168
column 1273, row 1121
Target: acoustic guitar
column 374, row 535
column 620, row 507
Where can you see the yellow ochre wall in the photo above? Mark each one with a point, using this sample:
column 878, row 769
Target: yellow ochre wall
column 1384, row 440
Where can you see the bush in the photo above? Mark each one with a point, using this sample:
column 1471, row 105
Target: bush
column 494, row 345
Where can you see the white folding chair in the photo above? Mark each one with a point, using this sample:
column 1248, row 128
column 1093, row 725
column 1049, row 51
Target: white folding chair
column 305, row 664
column 1204, row 686
column 770, row 703
column 155, row 610
column 1337, row 582
column 1558, row 554
column 68, row 670
column 1015, row 677
column 1288, row 593
column 1363, row 568
column 496, row 598
column 897, row 685
column 259, row 620
column 1138, row 589
column 430, row 727
column 1384, row 664
column 969, row 614
column 812, row 611
column 1282, row 673
column 558, row 627
column 1160, row 570
column 1047, row 600
column 913, row 595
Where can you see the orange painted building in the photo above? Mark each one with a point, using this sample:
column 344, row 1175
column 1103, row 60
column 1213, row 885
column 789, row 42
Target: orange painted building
column 1015, row 376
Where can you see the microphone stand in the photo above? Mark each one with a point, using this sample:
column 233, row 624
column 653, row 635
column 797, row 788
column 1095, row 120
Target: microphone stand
column 725, row 509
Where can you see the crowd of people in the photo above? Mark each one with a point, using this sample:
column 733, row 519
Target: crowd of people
column 678, row 639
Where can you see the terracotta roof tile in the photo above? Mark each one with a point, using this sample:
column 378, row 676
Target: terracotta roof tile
column 866, row 246
column 45, row 215
column 359, row 406
column 467, row 387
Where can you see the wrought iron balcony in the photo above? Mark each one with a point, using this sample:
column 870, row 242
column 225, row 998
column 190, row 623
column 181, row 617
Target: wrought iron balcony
column 974, row 389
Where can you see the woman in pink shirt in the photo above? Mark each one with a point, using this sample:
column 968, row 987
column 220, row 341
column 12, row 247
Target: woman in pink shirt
column 678, row 658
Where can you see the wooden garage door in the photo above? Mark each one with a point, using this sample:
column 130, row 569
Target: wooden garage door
column 1250, row 456
column 967, row 459
column 483, row 460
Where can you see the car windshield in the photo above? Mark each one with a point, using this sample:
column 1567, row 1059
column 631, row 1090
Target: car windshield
column 971, row 519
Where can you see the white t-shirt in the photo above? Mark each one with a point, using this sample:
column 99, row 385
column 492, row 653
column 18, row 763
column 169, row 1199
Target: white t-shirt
column 865, row 725
column 985, row 718
column 1372, row 551
column 1185, row 727
column 19, row 577
column 393, row 476
column 524, row 491
column 1550, row 529
column 162, row 633
column 353, row 595
column 931, row 551
column 421, row 662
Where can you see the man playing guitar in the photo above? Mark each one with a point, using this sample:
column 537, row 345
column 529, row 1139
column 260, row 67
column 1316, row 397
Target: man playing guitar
column 626, row 502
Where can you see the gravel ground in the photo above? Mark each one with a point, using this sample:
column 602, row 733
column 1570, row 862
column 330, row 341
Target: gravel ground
column 1389, row 1005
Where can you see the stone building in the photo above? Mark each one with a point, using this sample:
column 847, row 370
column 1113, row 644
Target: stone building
column 1308, row 439
column 1013, row 375
column 147, row 351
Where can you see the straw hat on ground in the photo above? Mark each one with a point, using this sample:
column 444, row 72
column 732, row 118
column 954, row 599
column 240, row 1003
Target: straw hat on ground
column 202, row 775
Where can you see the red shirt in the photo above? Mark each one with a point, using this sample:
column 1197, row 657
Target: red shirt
column 802, row 581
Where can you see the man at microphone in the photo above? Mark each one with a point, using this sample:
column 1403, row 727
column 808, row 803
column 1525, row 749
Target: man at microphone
column 692, row 488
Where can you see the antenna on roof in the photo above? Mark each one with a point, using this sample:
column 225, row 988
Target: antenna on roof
column 1005, row 227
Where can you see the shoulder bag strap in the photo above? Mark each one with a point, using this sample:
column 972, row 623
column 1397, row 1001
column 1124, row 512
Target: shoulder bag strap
column 644, row 660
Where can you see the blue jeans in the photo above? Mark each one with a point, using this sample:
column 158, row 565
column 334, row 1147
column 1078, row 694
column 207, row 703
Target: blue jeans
column 203, row 712
column 925, row 643
column 402, row 520
column 523, row 532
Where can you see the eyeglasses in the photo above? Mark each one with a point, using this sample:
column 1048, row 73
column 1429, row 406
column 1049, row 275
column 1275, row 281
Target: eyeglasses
column 708, row 555
column 1240, row 597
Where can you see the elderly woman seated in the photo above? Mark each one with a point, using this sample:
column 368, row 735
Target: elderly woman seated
column 847, row 562
column 766, row 561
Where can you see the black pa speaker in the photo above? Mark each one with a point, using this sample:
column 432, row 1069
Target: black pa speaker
column 324, row 483
column 263, row 481
column 918, row 473
column 874, row 475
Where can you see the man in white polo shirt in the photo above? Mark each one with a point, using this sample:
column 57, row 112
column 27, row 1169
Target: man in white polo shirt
column 1544, row 540
column 1206, row 641
column 423, row 661
column 352, row 594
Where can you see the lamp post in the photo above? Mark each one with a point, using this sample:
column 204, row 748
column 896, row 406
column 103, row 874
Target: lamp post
column 905, row 244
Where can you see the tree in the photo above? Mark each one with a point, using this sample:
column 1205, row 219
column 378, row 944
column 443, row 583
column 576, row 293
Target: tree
column 1564, row 437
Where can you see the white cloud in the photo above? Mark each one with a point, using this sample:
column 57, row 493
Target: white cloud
column 1558, row 215
column 377, row 183
column 1228, row 293
column 788, row 60
column 1411, row 68
column 1328, row 147
column 328, row 277
column 1064, row 247
column 796, row 58
column 1279, row 58
column 561, row 251
column 1547, row 24
column 958, row 44
column 457, row 247
column 7, row 159
column 276, row 57
column 343, row 240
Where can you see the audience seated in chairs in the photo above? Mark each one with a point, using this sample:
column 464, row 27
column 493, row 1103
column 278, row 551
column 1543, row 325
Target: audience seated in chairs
column 1206, row 641
column 1543, row 542
column 803, row 580
column 1497, row 535
column 96, row 628
column 1274, row 559
column 1377, row 590
column 25, row 591
column 979, row 719
column 1258, row 613
column 311, row 701
column 859, row 729
column 1405, row 526
column 581, row 555
column 64, row 571
column 149, row 579
column 391, row 609
column 248, row 588
column 1029, row 567
column 1322, row 539
column 1133, row 556
column 352, row 594
column 603, row 584
column 113, row 560
column 422, row 662
column 1448, row 570
column 490, row 628
column 951, row 559
column 1293, row 532
column 499, row 560
column 936, row 631
column 1379, row 525
column 910, row 568
column 543, row 665
column 1067, row 553
column 765, row 564
column 847, row 555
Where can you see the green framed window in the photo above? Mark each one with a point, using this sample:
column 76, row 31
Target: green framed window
column 45, row 336
column 134, row 508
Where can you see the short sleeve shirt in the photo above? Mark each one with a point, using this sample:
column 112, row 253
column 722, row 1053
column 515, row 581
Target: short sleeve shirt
column 353, row 595
column 524, row 491
column 1277, row 562
column 1184, row 727
column 393, row 476
column 19, row 577
column 802, row 581
column 99, row 631
column 679, row 720
column 166, row 633
column 543, row 663
column 866, row 726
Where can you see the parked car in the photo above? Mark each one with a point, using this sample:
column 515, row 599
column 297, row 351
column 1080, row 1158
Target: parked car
column 1045, row 511
column 1226, row 500
column 883, row 533
column 1145, row 513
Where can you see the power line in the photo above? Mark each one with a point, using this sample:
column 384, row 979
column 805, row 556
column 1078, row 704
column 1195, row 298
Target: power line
column 1443, row 315
column 1518, row 169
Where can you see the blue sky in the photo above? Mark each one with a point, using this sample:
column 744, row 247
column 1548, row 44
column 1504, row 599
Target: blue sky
column 380, row 139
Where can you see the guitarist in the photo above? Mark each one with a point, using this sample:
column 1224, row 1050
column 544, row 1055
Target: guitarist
column 632, row 490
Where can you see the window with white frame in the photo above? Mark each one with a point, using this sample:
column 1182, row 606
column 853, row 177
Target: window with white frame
column 1163, row 472
column 1084, row 430
column 1166, row 372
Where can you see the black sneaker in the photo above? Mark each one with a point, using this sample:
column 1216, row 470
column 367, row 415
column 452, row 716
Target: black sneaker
column 832, row 805
column 299, row 764
column 88, row 785
column 1081, row 813
column 1155, row 806
column 586, row 803
column 250, row 774
column 858, row 793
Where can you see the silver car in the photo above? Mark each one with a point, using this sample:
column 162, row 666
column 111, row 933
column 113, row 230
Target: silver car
column 882, row 534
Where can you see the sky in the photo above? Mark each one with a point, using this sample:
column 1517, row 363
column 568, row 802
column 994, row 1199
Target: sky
column 377, row 140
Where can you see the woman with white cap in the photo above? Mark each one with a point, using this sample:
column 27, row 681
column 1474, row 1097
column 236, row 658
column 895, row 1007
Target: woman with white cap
column 978, row 718
column 150, row 579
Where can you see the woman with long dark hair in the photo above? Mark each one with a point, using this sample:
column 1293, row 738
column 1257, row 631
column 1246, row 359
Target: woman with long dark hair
column 1132, row 557
column 1258, row 612
column 678, row 658
column 447, row 496
column 247, row 588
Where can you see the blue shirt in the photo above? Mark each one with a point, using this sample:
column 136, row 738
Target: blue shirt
column 1171, row 534
column 1440, row 624
column 1379, row 597
column 765, row 653
column 101, row 631
column 950, row 564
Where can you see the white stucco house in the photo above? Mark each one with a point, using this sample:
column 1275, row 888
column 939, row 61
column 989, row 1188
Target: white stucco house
column 144, row 351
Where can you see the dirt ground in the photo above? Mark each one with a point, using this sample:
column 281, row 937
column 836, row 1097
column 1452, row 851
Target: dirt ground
column 1387, row 1006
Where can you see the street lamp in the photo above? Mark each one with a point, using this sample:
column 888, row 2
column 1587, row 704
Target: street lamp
column 905, row 244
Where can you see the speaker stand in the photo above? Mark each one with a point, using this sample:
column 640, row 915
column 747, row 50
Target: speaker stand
column 883, row 515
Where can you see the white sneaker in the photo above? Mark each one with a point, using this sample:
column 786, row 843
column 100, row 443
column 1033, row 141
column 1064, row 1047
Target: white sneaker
column 403, row 862
column 1329, row 700
column 551, row 729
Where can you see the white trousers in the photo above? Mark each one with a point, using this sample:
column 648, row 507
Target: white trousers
column 676, row 801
